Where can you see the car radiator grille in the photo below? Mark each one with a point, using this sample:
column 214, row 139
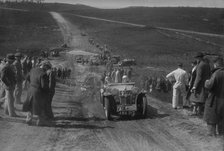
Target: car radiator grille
column 126, row 100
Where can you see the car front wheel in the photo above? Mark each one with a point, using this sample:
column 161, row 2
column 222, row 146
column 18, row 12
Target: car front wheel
column 107, row 108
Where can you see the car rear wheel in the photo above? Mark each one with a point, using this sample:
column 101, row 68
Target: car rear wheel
column 144, row 107
column 107, row 108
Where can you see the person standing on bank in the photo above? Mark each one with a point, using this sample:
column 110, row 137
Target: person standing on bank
column 190, row 86
column 214, row 105
column 179, row 88
column 202, row 74
column 8, row 79
column 52, row 84
column 38, row 94
column 2, row 90
column 19, row 78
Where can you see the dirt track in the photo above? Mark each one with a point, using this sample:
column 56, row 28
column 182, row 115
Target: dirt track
column 80, row 123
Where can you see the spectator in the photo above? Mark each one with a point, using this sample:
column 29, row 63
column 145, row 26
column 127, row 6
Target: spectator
column 29, row 64
column 214, row 106
column 52, row 83
column 38, row 94
column 125, row 78
column 179, row 88
column 8, row 79
column 190, row 86
column 2, row 90
column 118, row 78
column 129, row 73
column 24, row 66
column 202, row 74
column 19, row 78
column 113, row 75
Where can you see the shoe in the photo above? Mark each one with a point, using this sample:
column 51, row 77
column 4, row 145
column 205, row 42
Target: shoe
column 45, row 123
column 186, row 107
column 29, row 122
column 14, row 115
column 193, row 114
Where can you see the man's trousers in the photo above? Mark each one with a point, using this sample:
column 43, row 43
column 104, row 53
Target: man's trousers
column 179, row 92
column 18, row 92
column 9, row 102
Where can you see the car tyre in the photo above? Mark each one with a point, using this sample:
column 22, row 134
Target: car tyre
column 107, row 108
column 144, row 107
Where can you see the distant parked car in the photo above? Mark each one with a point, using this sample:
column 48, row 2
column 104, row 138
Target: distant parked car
column 115, row 59
column 96, row 60
column 127, row 62
column 79, row 59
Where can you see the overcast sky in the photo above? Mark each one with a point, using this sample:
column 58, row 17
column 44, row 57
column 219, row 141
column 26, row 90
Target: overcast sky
column 150, row 3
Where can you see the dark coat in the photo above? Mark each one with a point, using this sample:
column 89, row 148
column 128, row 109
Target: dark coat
column 52, row 85
column 18, row 70
column 38, row 92
column 202, row 74
column 214, row 106
column 191, row 82
column 8, row 77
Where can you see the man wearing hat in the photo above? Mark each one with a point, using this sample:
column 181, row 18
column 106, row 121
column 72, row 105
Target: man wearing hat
column 2, row 90
column 38, row 94
column 179, row 88
column 8, row 79
column 52, row 83
column 118, row 77
column 19, row 78
column 214, row 105
column 202, row 74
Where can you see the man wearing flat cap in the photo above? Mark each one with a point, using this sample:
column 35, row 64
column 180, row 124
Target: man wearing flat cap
column 38, row 94
column 202, row 74
column 8, row 79
column 19, row 78
column 214, row 105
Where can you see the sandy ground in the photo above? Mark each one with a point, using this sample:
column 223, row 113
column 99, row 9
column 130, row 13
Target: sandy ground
column 80, row 123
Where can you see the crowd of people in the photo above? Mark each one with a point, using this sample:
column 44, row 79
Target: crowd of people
column 117, row 75
column 17, row 73
column 202, row 91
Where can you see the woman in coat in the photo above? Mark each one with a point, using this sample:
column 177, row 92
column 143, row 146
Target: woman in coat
column 38, row 94
column 202, row 74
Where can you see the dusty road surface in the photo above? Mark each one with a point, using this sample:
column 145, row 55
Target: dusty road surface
column 80, row 124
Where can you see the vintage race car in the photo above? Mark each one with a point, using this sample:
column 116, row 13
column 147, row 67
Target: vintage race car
column 123, row 99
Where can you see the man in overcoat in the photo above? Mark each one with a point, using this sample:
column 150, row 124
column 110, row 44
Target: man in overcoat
column 203, row 73
column 214, row 106
column 19, row 78
column 2, row 90
column 52, row 84
column 8, row 79
column 38, row 94
column 190, row 86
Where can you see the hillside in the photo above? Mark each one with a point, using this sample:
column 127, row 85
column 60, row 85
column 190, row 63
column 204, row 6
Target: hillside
column 150, row 47
column 28, row 31
column 187, row 18
column 196, row 19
